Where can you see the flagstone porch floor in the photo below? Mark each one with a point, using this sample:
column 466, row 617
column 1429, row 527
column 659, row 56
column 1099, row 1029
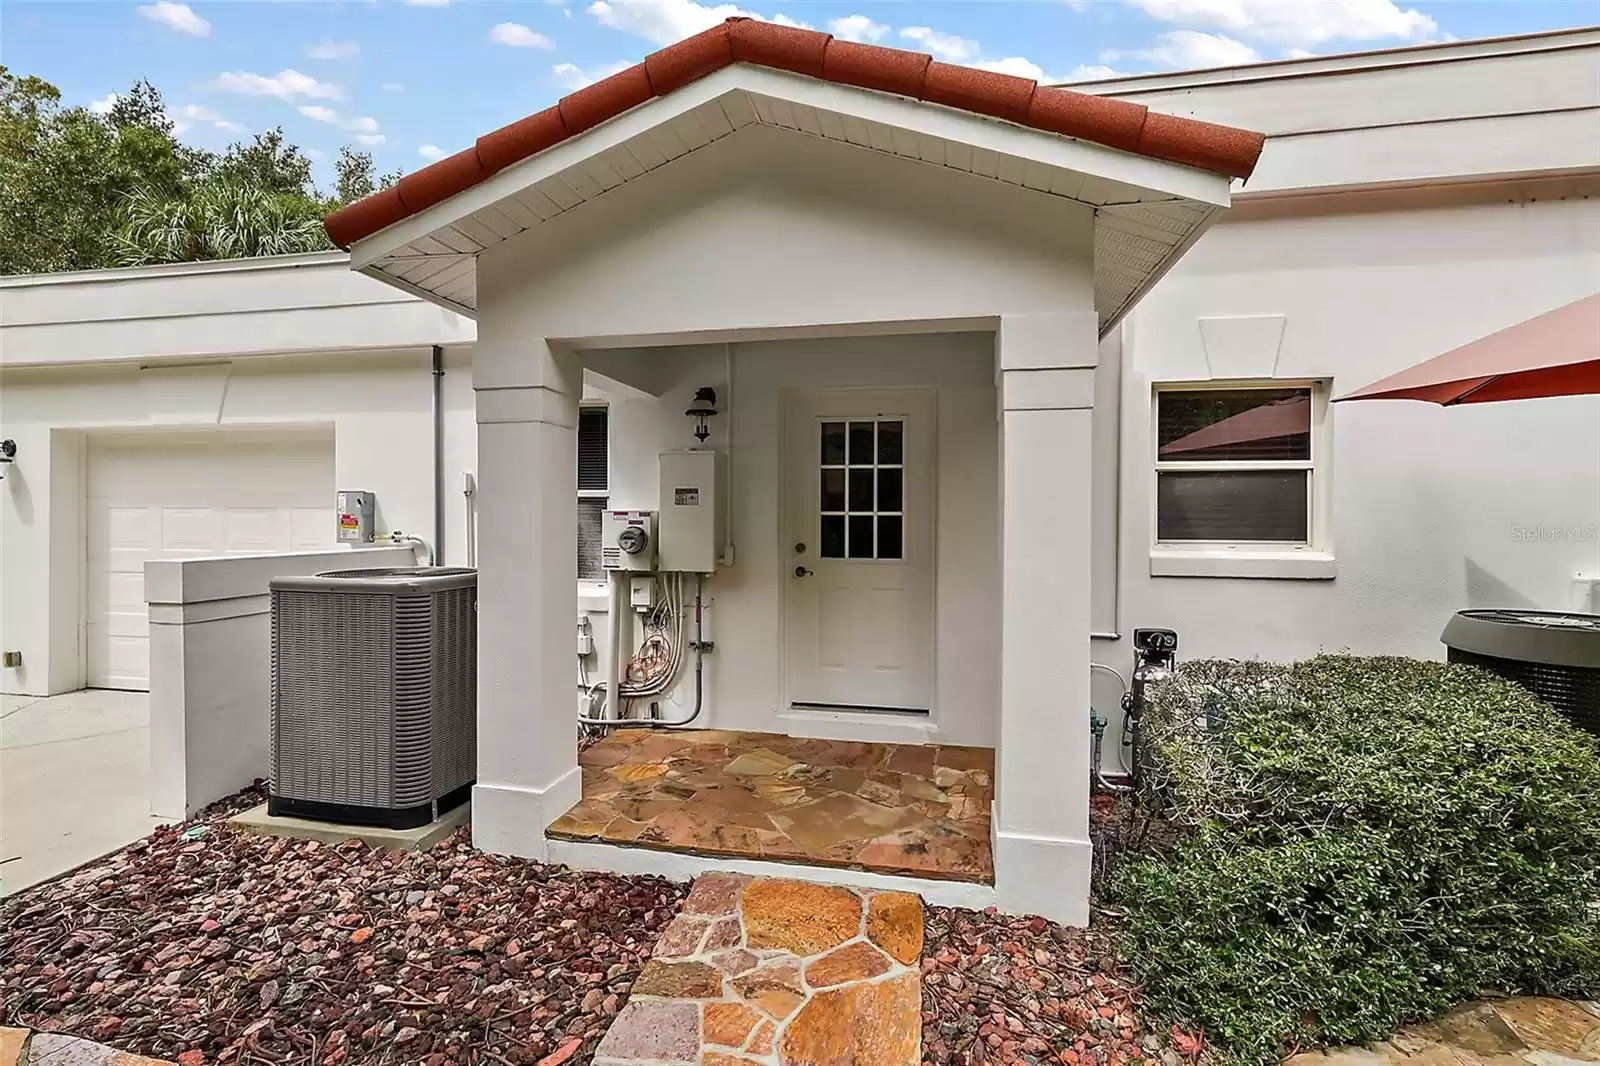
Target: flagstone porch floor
column 912, row 810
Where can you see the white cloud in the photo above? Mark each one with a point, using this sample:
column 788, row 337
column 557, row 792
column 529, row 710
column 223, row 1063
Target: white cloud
column 393, row 87
column 329, row 49
column 943, row 46
column 428, row 3
column 1297, row 23
column 285, row 85
column 669, row 21
column 104, row 105
column 663, row 22
column 179, row 17
column 316, row 155
column 430, row 151
column 1017, row 66
column 571, row 76
column 361, row 124
column 517, row 35
column 372, row 140
column 857, row 28
column 1094, row 72
column 189, row 116
column 1188, row 50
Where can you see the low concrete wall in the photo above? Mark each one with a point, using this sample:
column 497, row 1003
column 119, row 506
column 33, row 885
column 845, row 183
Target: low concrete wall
column 210, row 667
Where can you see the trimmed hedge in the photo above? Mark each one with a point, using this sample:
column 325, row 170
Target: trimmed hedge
column 1360, row 842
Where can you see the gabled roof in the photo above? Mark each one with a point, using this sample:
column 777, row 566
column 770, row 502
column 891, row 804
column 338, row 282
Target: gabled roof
column 1116, row 124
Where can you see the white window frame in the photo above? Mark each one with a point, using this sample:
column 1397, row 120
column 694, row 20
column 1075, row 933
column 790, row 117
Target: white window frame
column 1312, row 559
column 586, row 584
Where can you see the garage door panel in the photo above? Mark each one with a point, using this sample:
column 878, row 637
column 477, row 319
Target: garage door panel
column 152, row 498
column 192, row 531
column 257, row 529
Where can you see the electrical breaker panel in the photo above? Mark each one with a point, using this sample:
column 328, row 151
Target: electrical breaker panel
column 690, row 519
column 356, row 516
column 628, row 540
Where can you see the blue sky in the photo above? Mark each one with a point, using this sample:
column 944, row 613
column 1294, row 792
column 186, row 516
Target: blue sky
column 413, row 79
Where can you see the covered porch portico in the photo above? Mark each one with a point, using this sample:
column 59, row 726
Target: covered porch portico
column 831, row 231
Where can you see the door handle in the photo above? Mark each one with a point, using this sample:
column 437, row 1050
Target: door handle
column 801, row 571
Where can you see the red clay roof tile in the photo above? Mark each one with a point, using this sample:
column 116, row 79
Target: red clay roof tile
column 1115, row 123
column 767, row 44
column 523, row 138
column 1222, row 149
column 365, row 217
column 889, row 70
column 440, row 181
column 689, row 60
column 1001, row 95
column 605, row 99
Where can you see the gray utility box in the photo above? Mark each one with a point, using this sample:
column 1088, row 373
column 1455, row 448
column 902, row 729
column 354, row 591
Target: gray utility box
column 374, row 694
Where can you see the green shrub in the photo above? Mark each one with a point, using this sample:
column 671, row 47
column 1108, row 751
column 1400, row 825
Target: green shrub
column 1360, row 842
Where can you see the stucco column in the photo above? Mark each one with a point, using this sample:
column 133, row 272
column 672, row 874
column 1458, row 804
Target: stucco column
column 527, row 408
column 1041, row 831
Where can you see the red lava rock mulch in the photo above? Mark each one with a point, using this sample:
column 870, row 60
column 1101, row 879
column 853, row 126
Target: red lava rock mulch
column 999, row 989
column 257, row 950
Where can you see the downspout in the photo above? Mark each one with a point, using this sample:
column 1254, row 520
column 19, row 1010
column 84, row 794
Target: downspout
column 438, row 454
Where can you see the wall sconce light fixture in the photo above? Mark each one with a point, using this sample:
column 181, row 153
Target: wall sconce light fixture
column 703, row 407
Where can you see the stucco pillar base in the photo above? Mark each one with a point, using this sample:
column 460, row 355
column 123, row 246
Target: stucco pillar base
column 1042, row 852
column 1047, row 876
column 508, row 820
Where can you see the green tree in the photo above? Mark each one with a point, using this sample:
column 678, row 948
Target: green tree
column 357, row 176
column 80, row 190
column 268, row 163
column 64, row 170
column 223, row 219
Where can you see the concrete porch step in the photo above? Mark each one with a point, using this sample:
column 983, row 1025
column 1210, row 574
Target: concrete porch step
column 776, row 972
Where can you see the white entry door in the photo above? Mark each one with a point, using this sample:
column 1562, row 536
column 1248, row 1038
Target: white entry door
column 859, row 574
column 184, row 495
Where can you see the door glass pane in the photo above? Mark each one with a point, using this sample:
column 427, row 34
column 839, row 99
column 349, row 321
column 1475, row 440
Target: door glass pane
column 1205, row 425
column 833, row 443
column 1245, row 505
column 860, row 536
column 891, row 446
column 861, row 444
column 860, row 490
column 889, row 489
column 832, row 536
column 832, row 490
column 889, row 530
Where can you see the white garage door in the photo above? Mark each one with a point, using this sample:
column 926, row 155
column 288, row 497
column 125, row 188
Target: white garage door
column 172, row 496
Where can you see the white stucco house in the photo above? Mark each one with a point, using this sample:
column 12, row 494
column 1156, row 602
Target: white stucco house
column 969, row 344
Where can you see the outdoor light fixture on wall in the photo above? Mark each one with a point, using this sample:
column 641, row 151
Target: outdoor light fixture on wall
column 703, row 407
column 8, row 455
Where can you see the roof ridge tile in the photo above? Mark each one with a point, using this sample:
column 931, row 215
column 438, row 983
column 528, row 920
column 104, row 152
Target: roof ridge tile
column 1117, row 124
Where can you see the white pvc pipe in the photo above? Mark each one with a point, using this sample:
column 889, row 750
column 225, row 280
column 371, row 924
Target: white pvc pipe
column 613, row 680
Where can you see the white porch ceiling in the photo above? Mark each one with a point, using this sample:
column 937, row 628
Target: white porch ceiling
column 1138, row 231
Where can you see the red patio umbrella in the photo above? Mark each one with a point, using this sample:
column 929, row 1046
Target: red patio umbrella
column 1270, row 421
column 1554, row 354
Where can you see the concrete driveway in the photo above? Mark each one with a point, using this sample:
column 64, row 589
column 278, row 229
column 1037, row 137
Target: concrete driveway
column 74, row 781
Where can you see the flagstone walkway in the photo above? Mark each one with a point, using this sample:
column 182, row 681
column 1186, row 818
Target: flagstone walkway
column 777, row 973
column 1522, row 1031
column 57, row 1049
column 917, row 810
